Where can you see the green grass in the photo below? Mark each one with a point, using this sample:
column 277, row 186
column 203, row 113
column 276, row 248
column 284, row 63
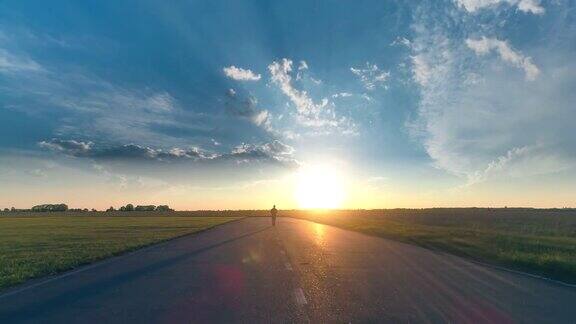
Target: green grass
column 34, row 245
column 537, row 241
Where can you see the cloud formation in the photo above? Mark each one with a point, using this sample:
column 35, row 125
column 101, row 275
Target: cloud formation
column 275, row 150
column 485, row 45
column 248, row 108
column 280, row 75
column 529, row 6
column 421, row 71
column 318, row 115
column 270, row 152
column 240, row 74
column 482, row 123
column 371, row 76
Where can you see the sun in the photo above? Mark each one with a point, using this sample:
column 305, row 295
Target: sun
column 319, row 186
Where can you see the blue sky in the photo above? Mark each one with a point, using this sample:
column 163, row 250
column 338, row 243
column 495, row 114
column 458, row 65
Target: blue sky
column 208, row 104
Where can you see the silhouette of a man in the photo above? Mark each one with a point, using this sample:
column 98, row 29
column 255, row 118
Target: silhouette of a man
column 273, row 213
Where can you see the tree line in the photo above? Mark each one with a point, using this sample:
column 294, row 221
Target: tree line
column 130, row 207
column 64, row 208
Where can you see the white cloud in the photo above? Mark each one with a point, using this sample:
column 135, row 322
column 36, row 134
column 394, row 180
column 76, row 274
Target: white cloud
column 280, row 75
column 401, row 41
column 261, row 118
column 421, row 70
column 371, row 76
column 95, row 107
column 367, row 97
column 342, row 95
column 531, row 6
column 485, row 45
column 240, row 74
column 482, row 123
column 321, row 116
column 520, row 162
column 10, row 62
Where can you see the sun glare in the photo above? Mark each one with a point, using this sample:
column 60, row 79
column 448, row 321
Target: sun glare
column 319, row 186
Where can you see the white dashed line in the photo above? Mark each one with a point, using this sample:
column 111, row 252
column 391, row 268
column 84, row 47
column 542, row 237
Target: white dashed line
column 300, row 298
column 288, row 266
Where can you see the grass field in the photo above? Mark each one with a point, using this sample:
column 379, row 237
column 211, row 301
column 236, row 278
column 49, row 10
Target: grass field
column 538, row 241
column 34, row 245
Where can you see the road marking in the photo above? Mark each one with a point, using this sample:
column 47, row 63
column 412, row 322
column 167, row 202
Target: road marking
column 300, row 298
column 288, row 266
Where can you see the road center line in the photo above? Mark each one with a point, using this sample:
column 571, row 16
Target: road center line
column 288, row 266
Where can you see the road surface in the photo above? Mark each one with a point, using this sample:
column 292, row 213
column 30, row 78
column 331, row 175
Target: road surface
column 247, row 271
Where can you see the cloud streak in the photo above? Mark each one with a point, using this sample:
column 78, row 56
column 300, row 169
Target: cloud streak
column 319, row 115
column 280, row 75
column 528, row 6
column 485, row 45
column 10, row 63
column 240, row 74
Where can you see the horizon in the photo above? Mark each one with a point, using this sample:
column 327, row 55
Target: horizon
column 328, row 210
column 212, row 105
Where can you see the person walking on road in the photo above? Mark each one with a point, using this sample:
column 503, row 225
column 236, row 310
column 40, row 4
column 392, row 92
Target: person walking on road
column 273, row 213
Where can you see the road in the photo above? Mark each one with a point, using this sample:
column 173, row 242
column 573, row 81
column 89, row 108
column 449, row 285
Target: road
column 247, row 271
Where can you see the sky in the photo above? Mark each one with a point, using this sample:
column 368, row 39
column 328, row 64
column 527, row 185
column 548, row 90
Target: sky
column 221, row 104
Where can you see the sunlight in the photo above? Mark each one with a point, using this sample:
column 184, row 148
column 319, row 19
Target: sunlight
column 319, row 234
column 319, row 186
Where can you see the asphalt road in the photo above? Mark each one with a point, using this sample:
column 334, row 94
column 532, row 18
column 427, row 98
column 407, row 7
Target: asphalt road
column 250, row 272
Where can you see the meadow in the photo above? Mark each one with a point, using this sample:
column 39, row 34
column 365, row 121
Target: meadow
column 39, row 244
column 538, row 241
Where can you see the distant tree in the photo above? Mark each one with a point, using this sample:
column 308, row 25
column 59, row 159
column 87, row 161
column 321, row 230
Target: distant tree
column 94, row 210
column 164, row 208
column 50, row 208
column 85, row 209
column 129, row 207
column 12, row 209
column 122, row 208
column 6, row 209
column 145, row 208
column 60, row 207
column 111, row 209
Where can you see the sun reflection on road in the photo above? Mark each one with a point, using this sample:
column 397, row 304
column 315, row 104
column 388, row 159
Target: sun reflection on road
column 319, row 234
